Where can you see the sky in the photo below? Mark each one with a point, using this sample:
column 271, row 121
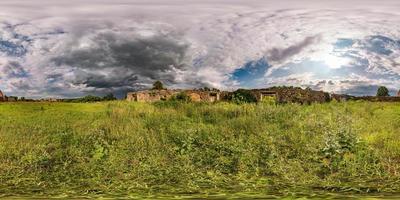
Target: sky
column 66, row 49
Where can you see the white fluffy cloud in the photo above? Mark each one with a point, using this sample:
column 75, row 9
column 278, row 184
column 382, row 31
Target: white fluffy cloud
column 72, row 48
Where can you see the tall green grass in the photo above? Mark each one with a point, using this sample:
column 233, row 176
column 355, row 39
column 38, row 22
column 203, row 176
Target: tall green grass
column 172, row 147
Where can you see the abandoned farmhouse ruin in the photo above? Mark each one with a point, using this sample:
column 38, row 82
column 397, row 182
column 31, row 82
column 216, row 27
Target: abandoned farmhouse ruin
column 291, row 95
column 164, row 94
column 281, row 94
column 277, row 94
column 3, row 97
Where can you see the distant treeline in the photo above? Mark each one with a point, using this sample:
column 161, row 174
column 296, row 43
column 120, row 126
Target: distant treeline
column 91, row 98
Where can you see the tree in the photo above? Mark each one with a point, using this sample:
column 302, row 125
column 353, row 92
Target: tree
column 158, row 85
column 382, row 92
column 109, row 97
column 206, row 89
column 89, row 98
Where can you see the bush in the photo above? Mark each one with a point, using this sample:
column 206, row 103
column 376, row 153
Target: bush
column 109, row 97
column 243, row 96
column 90, row 98
column 269, row 100
column 182, row 96
column 382, row 92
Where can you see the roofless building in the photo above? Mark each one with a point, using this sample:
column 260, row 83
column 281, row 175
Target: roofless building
column 2, row 97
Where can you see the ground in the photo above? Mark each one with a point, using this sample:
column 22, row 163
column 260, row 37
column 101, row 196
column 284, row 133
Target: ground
column 171, row 148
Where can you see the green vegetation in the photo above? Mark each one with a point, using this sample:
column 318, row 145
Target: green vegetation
column 181, row 97
column 271, row 100
column 177, row 148
column 158, row 85
column 382, row 92
column 91, row 99
column 242, row 96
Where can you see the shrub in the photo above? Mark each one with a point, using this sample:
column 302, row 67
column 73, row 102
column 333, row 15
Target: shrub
column 269, row 100
column 109, row 97
column 243, row 96
column 90, row 98
column 382, row 92
column 182, row 96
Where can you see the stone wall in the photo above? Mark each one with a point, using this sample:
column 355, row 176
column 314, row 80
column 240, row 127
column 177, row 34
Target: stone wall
column 280, row 94
column 11, row 99
column 203, row 96
column 2, row 97
column 151, row 95
column 162, row 95
column 292, row 95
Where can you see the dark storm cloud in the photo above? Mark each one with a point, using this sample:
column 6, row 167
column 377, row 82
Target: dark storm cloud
column 277, row 54
column 112, row 79
column 125, row 60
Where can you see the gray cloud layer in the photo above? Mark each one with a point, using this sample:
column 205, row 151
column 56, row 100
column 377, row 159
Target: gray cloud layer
column 128, row 61
column 72, row 48
column 276, row 54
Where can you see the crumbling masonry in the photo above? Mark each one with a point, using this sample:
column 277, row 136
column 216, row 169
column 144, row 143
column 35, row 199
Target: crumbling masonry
column 2, row 97
column 162, row 95
column 278, row 94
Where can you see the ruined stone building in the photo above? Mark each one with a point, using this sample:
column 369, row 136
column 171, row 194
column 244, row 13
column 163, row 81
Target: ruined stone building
column 2, row 97
column 7, row 98
column 292, row 95
column 162, row 95
column 398, row 93
column 276, row 94
column 11, row 98
column 151, row 95
column 204, row 96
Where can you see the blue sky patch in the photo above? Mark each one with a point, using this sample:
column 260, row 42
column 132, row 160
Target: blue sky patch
column 342, row 43
column 250, row 72
column 381, row 45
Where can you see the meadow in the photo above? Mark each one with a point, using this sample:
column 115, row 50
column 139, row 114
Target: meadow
column 170, row 149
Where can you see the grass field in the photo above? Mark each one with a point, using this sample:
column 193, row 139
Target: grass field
column 171, row 148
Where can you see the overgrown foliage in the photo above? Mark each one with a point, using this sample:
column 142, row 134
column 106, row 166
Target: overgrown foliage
column 382, row 92
column 121, row 148
column 91, row 99
column 109, row 97
column 182, row 97
column 242, row 96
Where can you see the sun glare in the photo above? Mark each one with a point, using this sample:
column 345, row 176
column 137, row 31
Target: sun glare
column 334, row 61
